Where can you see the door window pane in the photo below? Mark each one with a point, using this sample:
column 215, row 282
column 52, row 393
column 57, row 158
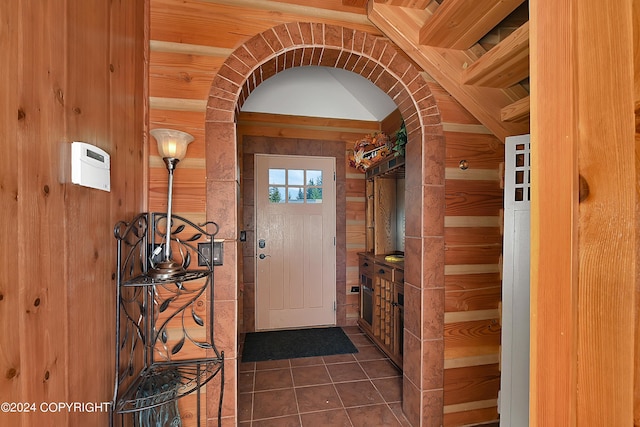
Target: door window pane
column 314, row 186
column 295, row 186
column 296, row 177
column 277, row 194
column 314, row 195
column 296, row 195
column 314, row 177
column 277, row 177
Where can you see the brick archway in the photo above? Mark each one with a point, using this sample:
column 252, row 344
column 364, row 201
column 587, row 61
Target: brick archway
column 299, row 44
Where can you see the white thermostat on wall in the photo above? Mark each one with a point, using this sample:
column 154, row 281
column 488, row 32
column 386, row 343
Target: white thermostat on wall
column 90, row 166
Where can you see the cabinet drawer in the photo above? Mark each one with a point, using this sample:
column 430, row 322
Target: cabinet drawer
column 384, row 272
column 398, row 275
column 366, row 266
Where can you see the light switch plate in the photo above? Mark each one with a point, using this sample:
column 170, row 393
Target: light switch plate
column 204, row 252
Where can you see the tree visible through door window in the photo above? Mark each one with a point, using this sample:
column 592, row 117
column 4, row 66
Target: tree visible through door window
column 295, row 186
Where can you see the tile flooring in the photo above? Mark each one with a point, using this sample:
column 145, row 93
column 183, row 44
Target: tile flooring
column 350, row 390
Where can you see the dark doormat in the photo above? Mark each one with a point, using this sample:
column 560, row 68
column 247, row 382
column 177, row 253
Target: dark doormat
column 291, row 344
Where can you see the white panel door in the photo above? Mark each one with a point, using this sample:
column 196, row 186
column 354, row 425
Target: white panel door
column 514, row 380
column 295, row 241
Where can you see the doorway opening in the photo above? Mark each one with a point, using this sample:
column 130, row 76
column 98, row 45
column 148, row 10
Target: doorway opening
column 253, row 147
column 300, row 44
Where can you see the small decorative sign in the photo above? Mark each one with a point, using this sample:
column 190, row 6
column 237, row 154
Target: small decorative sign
column 375, row 147
column 369, row 150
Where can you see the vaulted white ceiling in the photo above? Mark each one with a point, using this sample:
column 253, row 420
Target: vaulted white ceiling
column 320, row 92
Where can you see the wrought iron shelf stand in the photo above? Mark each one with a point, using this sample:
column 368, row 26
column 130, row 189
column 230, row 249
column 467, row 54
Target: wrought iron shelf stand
column 162, row 323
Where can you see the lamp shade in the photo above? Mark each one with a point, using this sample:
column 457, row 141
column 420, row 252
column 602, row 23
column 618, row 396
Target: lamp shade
column 172, row 143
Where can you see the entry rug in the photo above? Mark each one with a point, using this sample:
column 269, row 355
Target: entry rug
column 295, row 343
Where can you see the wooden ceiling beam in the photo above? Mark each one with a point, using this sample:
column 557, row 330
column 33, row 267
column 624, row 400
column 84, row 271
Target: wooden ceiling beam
column 402, row 25
column 279, row 10
column 517, row 112
column 415, row 4
column 354, row 3
column 459, row 24
column 504, row 65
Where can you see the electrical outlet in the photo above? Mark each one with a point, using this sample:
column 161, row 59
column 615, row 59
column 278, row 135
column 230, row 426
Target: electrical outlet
column 355, row 289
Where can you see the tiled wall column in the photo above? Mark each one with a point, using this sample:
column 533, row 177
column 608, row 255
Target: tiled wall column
column 299, row 44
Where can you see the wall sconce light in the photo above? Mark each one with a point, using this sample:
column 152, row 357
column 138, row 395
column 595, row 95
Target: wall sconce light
column 172, row 146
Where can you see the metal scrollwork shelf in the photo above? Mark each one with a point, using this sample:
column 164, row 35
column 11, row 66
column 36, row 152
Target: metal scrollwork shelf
column 164, row 326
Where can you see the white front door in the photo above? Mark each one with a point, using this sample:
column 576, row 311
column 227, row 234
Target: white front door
column 295, row 241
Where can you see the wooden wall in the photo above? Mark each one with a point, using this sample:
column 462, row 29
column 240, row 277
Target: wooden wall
column 473, row 246
column 189, row 42
column 584, row 221
column 71, row 71
column 636, row 102
column 472, row 278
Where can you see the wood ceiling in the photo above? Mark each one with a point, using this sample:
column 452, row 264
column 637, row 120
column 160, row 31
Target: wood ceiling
column 477, row 50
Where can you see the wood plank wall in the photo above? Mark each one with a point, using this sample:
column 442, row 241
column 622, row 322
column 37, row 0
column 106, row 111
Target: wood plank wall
column 72, row 71
column 186, row 53
column 584, row 226
column 473, row 247
column 636, row 99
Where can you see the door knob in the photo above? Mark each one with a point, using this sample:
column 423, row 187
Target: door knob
column 263, row 256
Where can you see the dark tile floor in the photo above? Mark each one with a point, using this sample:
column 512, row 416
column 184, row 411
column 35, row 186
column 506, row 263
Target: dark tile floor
column 350, row 390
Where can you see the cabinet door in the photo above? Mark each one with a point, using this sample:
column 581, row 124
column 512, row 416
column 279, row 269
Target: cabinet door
column 384, row 216
column 369, row 209
column 366, row 292
column 398, row 319
column 384, row 285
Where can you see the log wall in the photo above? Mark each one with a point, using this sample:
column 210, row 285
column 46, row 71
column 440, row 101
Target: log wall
column 472, row 281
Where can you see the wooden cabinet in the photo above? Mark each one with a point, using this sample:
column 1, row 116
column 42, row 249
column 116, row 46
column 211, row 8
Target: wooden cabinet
column 382, row 281
column 385, row 207
column 381, row 315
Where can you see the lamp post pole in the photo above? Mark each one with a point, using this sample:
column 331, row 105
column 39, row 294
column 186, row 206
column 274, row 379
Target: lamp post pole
column 171, row 165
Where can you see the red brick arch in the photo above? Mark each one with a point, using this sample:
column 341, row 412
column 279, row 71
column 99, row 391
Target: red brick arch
column 376, row 59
